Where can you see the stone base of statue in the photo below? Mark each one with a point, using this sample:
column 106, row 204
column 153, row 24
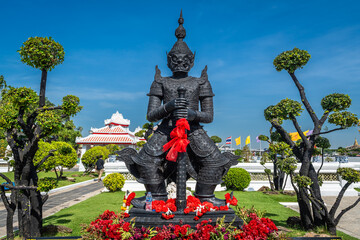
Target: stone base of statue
column 143, row 218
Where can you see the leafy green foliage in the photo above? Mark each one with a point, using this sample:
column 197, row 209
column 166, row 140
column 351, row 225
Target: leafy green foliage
column 349, row 174
column 70, row 105
column 43, row 151
column 291, row 60
column 90, row 156
column 238, row 152
column 114, row 182
column 2, row 82
column 322, row 142
column 50, row 122
column 65, row 155
column 343, row 119
column 140, row 144
column 237, row 179
column 336, row 102
column 216, row 139
column 9, row 105
column 244, row 213
column 140, row 133
column 246, row 153
column 263, row 138
column 3, row 145
column 302, row 181
column 280, row 148
column 42, row 53
column 46, row 184
column 112, row 148
column 287, row 165
column 68, row 133
column 265, row 158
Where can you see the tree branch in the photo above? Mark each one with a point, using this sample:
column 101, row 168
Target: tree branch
column 304, row 100
column 298, row 129
column 292, row 183
column 50, row 154
column 345, row 210
column 338, row 199
column 20, row 187
column 322, row 208
column 323, row 118
column 332, row 130
column 44, row 199
column 4, row 198
column 42, row 109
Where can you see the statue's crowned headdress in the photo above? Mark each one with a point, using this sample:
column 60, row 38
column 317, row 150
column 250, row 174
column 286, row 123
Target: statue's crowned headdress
column 180, row 57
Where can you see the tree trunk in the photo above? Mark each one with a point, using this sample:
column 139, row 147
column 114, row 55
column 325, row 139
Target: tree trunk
column 42, row 88
column 331, row 227
column 305, row 210
column 318, row 218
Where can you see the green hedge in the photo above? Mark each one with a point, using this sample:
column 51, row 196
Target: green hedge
column 237, row 179
column 114, row 182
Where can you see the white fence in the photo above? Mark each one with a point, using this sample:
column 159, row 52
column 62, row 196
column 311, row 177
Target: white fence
column 331, row 182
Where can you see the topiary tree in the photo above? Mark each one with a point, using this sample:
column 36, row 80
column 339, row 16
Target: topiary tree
column 114, row 182
column 90, row 157
column 334, row 106
column 26, row 119
column 322, row 143
column 216, row 139
column 246, row 153
column 237, row 179
column 112, row 148
column 64, row 157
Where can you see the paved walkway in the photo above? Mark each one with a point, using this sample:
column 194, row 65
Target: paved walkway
column 57, row 201
column 349, row 222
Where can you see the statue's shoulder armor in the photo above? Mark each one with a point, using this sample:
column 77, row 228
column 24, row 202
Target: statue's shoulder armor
column 205, row 86
column 156, row 88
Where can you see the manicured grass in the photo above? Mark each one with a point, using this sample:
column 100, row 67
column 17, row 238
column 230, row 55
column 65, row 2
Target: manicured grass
column 85, row 212
column 61, row 183
column 357, row 189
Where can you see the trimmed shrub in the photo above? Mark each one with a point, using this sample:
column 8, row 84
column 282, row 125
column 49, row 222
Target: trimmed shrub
column 47, row 183
column 114, row 182
column 90, row 156
column 237, row 179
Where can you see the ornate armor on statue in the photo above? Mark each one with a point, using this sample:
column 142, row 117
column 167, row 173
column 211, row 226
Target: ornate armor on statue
column 205, row 163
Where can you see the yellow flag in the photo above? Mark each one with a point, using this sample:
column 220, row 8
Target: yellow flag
column 238, row 141
column 247, row 141
column 296, row 136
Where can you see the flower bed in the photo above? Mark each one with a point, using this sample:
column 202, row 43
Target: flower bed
column 110, row 225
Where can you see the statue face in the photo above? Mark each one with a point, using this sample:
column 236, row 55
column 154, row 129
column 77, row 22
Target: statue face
column 179, row 62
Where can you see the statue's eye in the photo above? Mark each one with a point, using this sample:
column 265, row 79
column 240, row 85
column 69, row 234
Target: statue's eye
column 174, row 58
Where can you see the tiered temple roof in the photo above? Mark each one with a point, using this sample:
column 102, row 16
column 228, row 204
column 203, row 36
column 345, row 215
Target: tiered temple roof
column 116, row 131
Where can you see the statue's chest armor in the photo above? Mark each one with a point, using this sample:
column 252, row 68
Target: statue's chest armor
column 192, row 90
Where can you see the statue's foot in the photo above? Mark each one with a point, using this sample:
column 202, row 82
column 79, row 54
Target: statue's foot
column 139, row 202
column 211, row 199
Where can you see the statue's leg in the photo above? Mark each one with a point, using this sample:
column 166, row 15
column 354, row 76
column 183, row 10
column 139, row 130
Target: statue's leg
column 151, row 174
column 211, row 170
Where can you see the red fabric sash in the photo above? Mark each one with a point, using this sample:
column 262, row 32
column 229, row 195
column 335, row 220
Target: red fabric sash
column 179, row 140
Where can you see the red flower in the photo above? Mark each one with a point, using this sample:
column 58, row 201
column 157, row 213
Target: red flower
column 196, row 218
column 224, row 208
column 232, row 201
column 130, row 198
column 167, row 217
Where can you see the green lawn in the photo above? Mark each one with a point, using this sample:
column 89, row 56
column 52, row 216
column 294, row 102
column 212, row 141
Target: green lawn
column 61, row 183
column 86, row 211
column 357, row 189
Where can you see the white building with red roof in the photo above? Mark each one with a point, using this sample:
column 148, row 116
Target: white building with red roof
column 116, row 131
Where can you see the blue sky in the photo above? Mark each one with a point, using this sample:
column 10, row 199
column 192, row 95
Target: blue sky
column 112, row 48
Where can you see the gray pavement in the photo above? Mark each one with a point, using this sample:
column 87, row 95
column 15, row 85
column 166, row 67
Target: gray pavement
column 350, row 221
column 57, row 201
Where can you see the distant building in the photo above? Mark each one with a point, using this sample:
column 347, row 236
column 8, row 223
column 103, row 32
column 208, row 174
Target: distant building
column 116, row 131
column 355, row 146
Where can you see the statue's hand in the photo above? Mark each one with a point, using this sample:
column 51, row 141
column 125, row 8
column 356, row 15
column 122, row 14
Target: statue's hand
column 180, row 113
column 191, row 114
column 177, row 103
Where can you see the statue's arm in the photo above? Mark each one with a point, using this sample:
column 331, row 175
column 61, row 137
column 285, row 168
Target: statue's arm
column 157, row 111
column 206, row 115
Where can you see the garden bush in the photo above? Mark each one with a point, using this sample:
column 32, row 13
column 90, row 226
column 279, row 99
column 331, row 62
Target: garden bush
column 47, row 183
column 114, row 182
column 237, row 179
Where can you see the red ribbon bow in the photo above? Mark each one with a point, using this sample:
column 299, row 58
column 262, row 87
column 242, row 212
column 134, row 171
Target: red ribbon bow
column 179, row 140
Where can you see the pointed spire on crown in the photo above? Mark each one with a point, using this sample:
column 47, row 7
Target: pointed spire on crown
column 180, row 32
column 180, row 46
